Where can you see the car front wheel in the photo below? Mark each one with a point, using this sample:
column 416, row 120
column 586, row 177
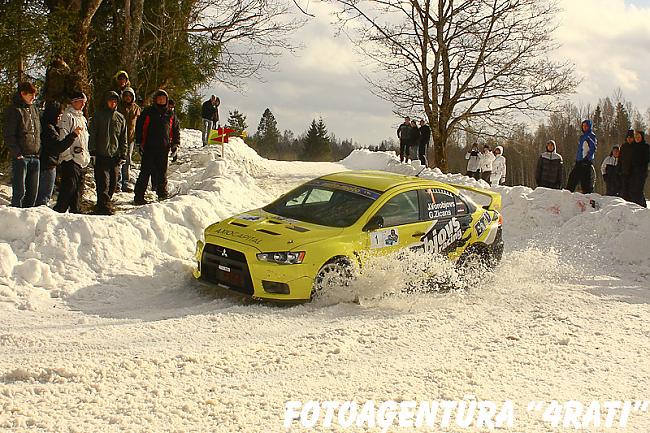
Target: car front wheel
column 335, row 273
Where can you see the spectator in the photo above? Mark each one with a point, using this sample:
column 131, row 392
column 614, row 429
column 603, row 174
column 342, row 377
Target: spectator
column 624, row 163
column 550, row 168
column 22, row 136
column 172, row 109
column 210, row 115
column 157, row 133
column 583, row 170
column 121, row 82
column 485, row 165
column 425, row 136
column 415, row 141
column 131, row 111
column 51, row 148
column 108, row 144
column 498, row 175
column 610, row 171
column 473, row 157
column 635, row 158
column 75, row 158
column 405, row 134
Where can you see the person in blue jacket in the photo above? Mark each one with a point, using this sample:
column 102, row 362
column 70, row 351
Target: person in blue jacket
column 583, row 170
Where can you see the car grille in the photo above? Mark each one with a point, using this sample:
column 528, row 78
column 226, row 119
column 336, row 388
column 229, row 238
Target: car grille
column 226, row 267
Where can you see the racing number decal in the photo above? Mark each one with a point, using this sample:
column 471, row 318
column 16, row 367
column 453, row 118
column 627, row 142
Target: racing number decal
column 384, row 238
column 482, row 224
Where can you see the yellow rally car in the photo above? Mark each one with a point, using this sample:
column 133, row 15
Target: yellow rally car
column 327, row 227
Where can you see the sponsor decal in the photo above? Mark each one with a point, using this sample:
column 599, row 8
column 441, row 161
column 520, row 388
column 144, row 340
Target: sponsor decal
column 234, row 234
column 384, row 238
column 249, row 217
column 482, row 224
column 442, row 239
column 345, row 187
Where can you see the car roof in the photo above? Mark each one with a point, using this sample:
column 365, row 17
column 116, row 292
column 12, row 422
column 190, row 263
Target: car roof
column 382, row 180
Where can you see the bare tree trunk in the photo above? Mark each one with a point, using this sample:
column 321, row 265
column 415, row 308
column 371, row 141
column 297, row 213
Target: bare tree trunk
column 133, row 14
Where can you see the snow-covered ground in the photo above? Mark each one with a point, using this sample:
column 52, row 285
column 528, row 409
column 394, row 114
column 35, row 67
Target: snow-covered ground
column 102, row 327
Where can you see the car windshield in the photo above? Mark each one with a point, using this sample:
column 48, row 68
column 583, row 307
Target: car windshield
column 325, row 203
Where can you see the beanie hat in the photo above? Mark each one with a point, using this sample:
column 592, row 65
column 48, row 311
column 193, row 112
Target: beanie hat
column 78, row 96
column 630, row 133
column 112, row 95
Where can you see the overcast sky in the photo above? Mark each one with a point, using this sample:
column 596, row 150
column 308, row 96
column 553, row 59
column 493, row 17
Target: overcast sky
column 607, row 40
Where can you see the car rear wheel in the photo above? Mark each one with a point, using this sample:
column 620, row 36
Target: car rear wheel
column 335, row 273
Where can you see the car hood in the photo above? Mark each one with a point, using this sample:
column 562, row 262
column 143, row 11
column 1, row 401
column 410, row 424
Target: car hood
column 268, row 232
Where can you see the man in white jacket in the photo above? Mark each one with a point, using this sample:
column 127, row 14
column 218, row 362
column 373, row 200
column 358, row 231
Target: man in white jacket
column 498, row 175
column 487, row 158
column 75, row 158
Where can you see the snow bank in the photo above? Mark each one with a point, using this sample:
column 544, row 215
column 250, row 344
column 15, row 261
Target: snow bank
column 48, row 255
column 609, row 235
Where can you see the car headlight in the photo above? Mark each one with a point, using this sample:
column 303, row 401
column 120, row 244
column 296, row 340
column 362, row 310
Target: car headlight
column 283, row 258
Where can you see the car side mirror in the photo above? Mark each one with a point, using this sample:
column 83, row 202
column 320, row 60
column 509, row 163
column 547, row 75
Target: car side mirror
column 376, row 222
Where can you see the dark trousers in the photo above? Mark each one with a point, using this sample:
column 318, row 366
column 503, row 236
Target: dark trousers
column 485, row 175
column 71, row 188
column 46, row 186
column 24, row 180
column 583, row 174
column 403, row 151
column 474, row 174
column 154, row 166
column 634, row 188
column 422, row 153
column 106, row 171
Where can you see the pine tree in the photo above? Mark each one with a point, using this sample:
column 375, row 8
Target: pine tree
column 621, row 122
column 317, row 145
column 193, row 113
column 267, row 137
column 237, row 121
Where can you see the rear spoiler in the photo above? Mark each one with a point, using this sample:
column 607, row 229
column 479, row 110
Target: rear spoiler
column 494, row 197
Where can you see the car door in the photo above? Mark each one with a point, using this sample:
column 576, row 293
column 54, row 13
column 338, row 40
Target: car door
column 447, row 220
column 401, row 227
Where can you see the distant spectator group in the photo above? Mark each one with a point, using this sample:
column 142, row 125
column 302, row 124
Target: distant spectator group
column 413, row 140
column 624, row 170
column 63, row 141
column 486, row 164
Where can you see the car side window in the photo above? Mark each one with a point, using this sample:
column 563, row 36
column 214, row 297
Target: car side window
column 401, row 209
column 436, row 203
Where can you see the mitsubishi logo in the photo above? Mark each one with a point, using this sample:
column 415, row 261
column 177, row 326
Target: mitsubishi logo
column 224, row 253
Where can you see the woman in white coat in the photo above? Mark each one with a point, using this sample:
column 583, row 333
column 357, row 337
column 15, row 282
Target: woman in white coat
column 498, row 175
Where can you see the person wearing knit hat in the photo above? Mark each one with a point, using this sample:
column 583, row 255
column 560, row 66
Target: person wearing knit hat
column 131, row 111
column 121, row 82
column 76, row 157
column 22, row 136
column 624, row 162
column 157, row 133
column 634, row 161
column 611, row 175
column 107, row 143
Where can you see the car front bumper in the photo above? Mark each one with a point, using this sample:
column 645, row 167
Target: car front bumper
column 235, row 266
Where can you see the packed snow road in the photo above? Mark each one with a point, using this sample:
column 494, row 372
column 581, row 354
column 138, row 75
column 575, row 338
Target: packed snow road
column 103, row 329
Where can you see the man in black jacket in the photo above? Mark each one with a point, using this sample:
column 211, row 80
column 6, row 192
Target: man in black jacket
column 425, row 136
column 108, row 144
column 22, row 136
column 157, row 132
column 210, row 116
column 405, row 135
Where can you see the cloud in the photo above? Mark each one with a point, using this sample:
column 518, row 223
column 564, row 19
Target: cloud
column 607, row 40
